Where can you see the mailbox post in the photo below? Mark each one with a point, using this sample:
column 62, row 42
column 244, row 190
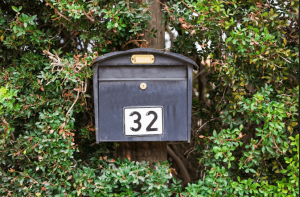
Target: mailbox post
column 143, row 95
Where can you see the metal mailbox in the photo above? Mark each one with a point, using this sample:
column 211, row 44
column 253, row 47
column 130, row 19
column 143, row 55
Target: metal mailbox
column 143, row 95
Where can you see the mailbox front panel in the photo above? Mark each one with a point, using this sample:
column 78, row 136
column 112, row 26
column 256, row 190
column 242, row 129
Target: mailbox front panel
column 120, row 88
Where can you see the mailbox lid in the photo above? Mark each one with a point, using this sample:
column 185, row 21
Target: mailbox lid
column 122, row 58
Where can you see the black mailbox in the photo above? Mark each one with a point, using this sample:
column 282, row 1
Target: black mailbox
column 143, row 95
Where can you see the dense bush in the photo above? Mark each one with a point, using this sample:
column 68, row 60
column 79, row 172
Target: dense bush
column 247, row 146
column 251, row 103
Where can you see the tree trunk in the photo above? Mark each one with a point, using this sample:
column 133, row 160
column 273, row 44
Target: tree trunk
column 149, row 151
column 157, row 17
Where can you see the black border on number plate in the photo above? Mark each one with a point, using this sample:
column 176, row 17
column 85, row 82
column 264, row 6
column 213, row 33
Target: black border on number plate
column 131, row 107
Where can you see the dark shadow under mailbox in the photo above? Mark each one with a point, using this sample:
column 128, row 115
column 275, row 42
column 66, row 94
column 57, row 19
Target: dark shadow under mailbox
column 143, row 95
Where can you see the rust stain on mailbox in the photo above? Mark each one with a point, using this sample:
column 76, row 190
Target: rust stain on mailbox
column 143, row 95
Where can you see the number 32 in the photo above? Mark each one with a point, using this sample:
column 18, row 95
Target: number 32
column 137, row 121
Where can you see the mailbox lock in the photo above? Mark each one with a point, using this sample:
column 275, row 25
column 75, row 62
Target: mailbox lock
column 143, row 86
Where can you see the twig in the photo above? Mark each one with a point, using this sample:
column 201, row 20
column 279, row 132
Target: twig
column 7, row 124
column 56, row 63
column 215, row 189
column 62, row 15
column 278, row 66
column 258, row 177
column 256, row 146
column 218, row 45
column 134, row 41
column 91, row 19
column 274, row 64
column 279, row 164
column 51, row 81
column 202, row 126
column 276, row 144
column 222, row 96
column 75, row 164
column 205, row 124
column 285, row 59
column 59, row 31
column 190, row 8
column 204, row 173
column 27, row 158
column 199, row 73
column 4, row 121
column 189, row 150
column 73, row 103
column 235, row 139
column 56, row 11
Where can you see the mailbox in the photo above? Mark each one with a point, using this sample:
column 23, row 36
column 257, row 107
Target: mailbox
column 143, row 95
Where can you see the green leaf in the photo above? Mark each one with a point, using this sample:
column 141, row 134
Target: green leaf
column 228, row 39
column 216, row 149
column 14, row 8
column 214, row 133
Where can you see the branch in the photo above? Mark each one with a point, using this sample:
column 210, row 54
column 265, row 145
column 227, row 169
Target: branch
column 285, row 60
column 91, row 19
column 183, row 169
column 56, row 11
column 6, row 127
column 255, row 146
column 190, row 8
column 4, row 121
column 75, row 164
column 189, row 151
column 222, row 96
column 198, row 74
column 276, row 144
column 136, row 42
column 59, row 31
column 240, row 137
column 73, row 103
column 215, row 189
column 203, row 125
column 278, row 66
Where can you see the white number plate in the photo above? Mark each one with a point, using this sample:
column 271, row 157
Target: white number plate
column 143, row 121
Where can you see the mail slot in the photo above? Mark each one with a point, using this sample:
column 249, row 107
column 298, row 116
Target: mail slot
column 143, row 95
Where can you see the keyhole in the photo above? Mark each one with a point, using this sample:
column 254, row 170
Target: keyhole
column 143, row 86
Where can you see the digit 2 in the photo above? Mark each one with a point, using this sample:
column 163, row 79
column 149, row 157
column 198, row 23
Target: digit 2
column 152, row 122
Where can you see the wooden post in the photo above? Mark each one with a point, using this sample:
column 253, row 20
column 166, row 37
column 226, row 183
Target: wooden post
column 149, row 151
column 144, row 151
column 157, row 17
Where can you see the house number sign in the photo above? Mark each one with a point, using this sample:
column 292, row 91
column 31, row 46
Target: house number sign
column 140, row 121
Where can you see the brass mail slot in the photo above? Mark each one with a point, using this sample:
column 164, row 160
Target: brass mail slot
column 142, row 59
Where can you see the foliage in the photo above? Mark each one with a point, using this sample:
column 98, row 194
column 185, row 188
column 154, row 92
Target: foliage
column 138, row 179
column 248, row 147
column 253, row 94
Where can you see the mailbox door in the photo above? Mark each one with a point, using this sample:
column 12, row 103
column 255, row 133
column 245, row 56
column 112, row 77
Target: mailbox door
column 119, row 88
